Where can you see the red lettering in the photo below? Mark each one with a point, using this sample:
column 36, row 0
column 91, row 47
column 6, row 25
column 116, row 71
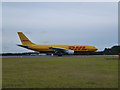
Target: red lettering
column 71, row 47
column 80, row 47
column 77, row 47
column 25, row 40
column 84, row 48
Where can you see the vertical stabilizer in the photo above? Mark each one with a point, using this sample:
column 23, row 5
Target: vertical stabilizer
column 24, row 39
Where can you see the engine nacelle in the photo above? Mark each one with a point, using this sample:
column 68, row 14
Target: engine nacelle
column 69, row 51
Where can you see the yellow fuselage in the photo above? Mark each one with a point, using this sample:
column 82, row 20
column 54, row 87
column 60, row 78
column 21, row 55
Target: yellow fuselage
column 78, row 48
column 26, row 43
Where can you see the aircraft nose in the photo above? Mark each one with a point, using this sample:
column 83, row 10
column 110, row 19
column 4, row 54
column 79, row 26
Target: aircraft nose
column 96, row 48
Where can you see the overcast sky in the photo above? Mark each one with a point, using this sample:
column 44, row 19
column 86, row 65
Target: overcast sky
column 90, row 23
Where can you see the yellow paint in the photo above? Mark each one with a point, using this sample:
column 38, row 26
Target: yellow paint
column 26, row 42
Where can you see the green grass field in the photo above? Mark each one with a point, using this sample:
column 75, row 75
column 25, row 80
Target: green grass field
column 60, row 72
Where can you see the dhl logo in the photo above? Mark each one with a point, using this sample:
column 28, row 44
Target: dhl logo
column 25, row 40
column 77, row 47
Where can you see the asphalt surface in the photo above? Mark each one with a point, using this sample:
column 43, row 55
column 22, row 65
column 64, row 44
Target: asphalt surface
column 57, row 56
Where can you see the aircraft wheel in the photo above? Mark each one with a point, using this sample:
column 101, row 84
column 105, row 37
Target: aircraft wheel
column 52, row 54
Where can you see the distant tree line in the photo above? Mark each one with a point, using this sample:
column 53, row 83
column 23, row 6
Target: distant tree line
column 107, row 51
column 115, row 50
column 112, row 51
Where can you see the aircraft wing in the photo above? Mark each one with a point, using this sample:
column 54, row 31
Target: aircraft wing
column 61, row 50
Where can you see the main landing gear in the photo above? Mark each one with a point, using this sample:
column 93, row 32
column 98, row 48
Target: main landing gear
column 58, row 54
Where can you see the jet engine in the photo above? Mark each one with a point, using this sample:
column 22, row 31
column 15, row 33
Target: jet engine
column 69, row 51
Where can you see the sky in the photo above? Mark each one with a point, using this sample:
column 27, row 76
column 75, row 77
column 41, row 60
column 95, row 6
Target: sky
column 82, row 23
column 0, row 27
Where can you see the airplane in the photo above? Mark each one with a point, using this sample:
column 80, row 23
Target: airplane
column 55, row 49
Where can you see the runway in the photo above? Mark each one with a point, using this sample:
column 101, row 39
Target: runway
column 56, row 56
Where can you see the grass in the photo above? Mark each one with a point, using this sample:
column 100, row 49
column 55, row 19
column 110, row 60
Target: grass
column 60, row 72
